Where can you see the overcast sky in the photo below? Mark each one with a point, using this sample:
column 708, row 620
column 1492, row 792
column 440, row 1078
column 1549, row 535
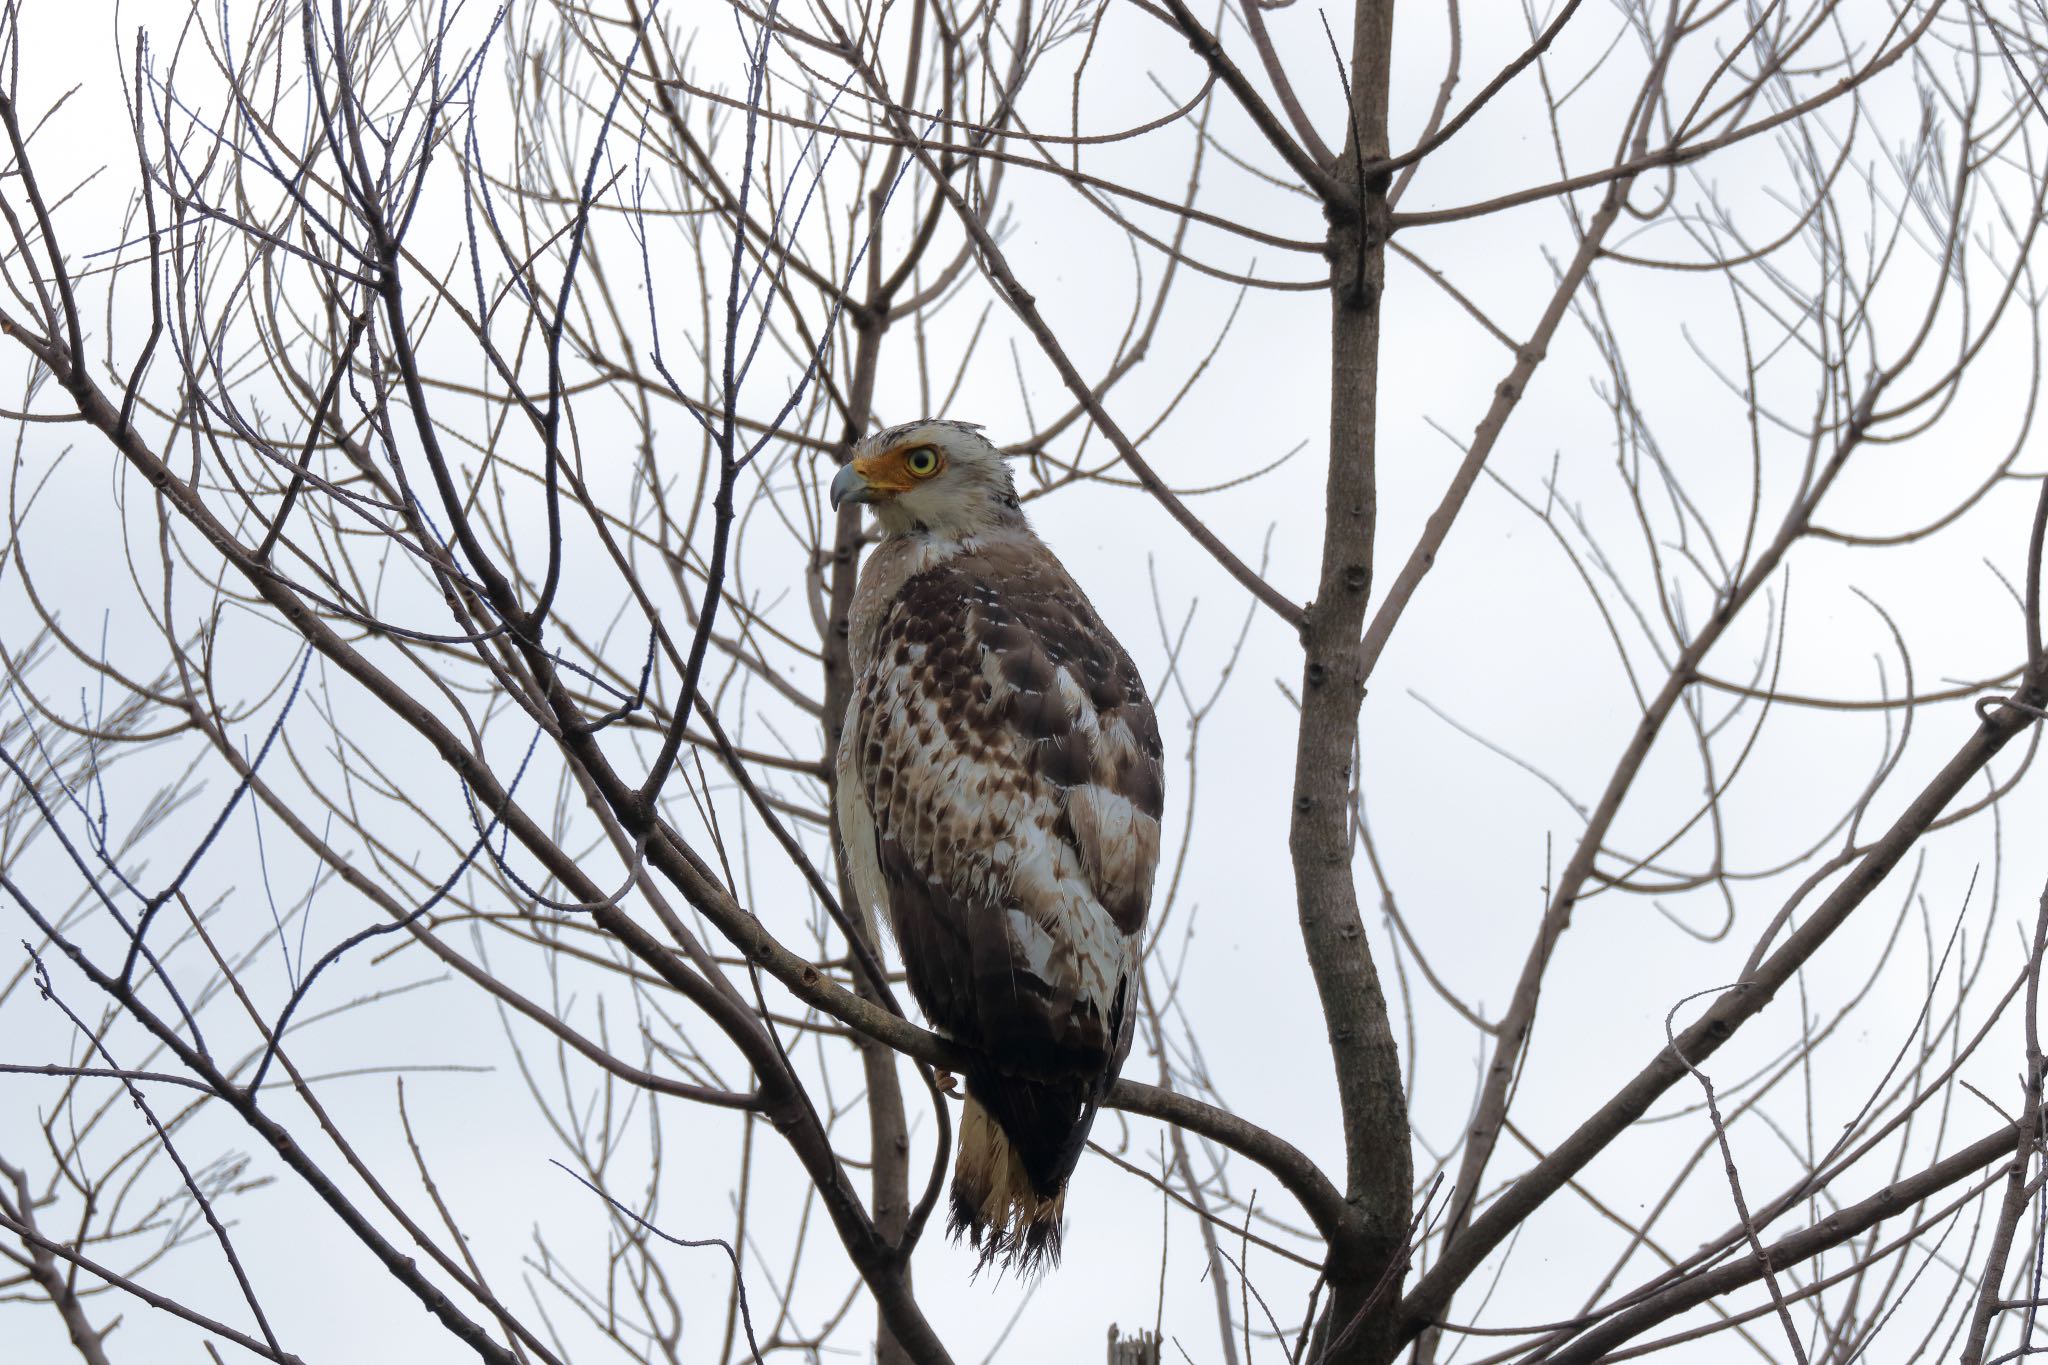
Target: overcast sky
column 1504, row 641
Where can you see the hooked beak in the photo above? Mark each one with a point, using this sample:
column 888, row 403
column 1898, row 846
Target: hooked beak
column 849, row 486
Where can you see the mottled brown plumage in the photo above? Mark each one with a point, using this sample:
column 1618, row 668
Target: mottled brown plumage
column 999, row 792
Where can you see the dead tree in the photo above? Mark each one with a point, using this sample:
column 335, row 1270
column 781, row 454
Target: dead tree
column 419, row 609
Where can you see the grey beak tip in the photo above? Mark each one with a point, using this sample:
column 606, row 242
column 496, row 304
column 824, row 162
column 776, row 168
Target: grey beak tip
column 847, row 484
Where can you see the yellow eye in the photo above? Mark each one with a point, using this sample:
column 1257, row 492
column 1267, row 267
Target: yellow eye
column 922, row 462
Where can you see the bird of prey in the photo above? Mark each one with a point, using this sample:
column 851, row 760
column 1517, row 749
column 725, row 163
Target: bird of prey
column 999, row 782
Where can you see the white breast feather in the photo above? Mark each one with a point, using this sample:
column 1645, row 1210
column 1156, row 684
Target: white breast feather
column 856, row 825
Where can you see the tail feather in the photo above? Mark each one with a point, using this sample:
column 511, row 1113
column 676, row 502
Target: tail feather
column 1022, row 1132
column 1010, row 1213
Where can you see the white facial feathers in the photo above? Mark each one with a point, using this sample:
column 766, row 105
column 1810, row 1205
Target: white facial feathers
column 969, row 494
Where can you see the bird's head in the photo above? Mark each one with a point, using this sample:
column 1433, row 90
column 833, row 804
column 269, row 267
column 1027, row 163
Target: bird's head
column 937, row 477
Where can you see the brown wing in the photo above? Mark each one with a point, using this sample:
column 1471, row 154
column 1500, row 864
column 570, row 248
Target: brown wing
column 1011, row 769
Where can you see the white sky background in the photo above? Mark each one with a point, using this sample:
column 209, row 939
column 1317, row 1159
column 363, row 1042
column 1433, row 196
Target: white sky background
column 1502, row 637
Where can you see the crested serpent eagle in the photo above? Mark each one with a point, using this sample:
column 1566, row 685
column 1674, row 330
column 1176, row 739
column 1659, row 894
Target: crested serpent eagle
column 999, row 782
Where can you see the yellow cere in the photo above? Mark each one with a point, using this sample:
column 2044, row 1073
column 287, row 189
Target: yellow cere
column 896, row 470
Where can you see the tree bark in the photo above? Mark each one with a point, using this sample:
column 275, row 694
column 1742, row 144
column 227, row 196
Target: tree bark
column 1366, row 1265
column 48, row 1276
column 888, row 1129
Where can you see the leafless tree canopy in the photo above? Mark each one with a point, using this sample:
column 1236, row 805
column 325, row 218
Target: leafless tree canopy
column 1599, row 434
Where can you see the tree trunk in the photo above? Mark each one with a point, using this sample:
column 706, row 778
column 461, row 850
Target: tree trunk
column 1366, row 1268
column 888, row 1132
